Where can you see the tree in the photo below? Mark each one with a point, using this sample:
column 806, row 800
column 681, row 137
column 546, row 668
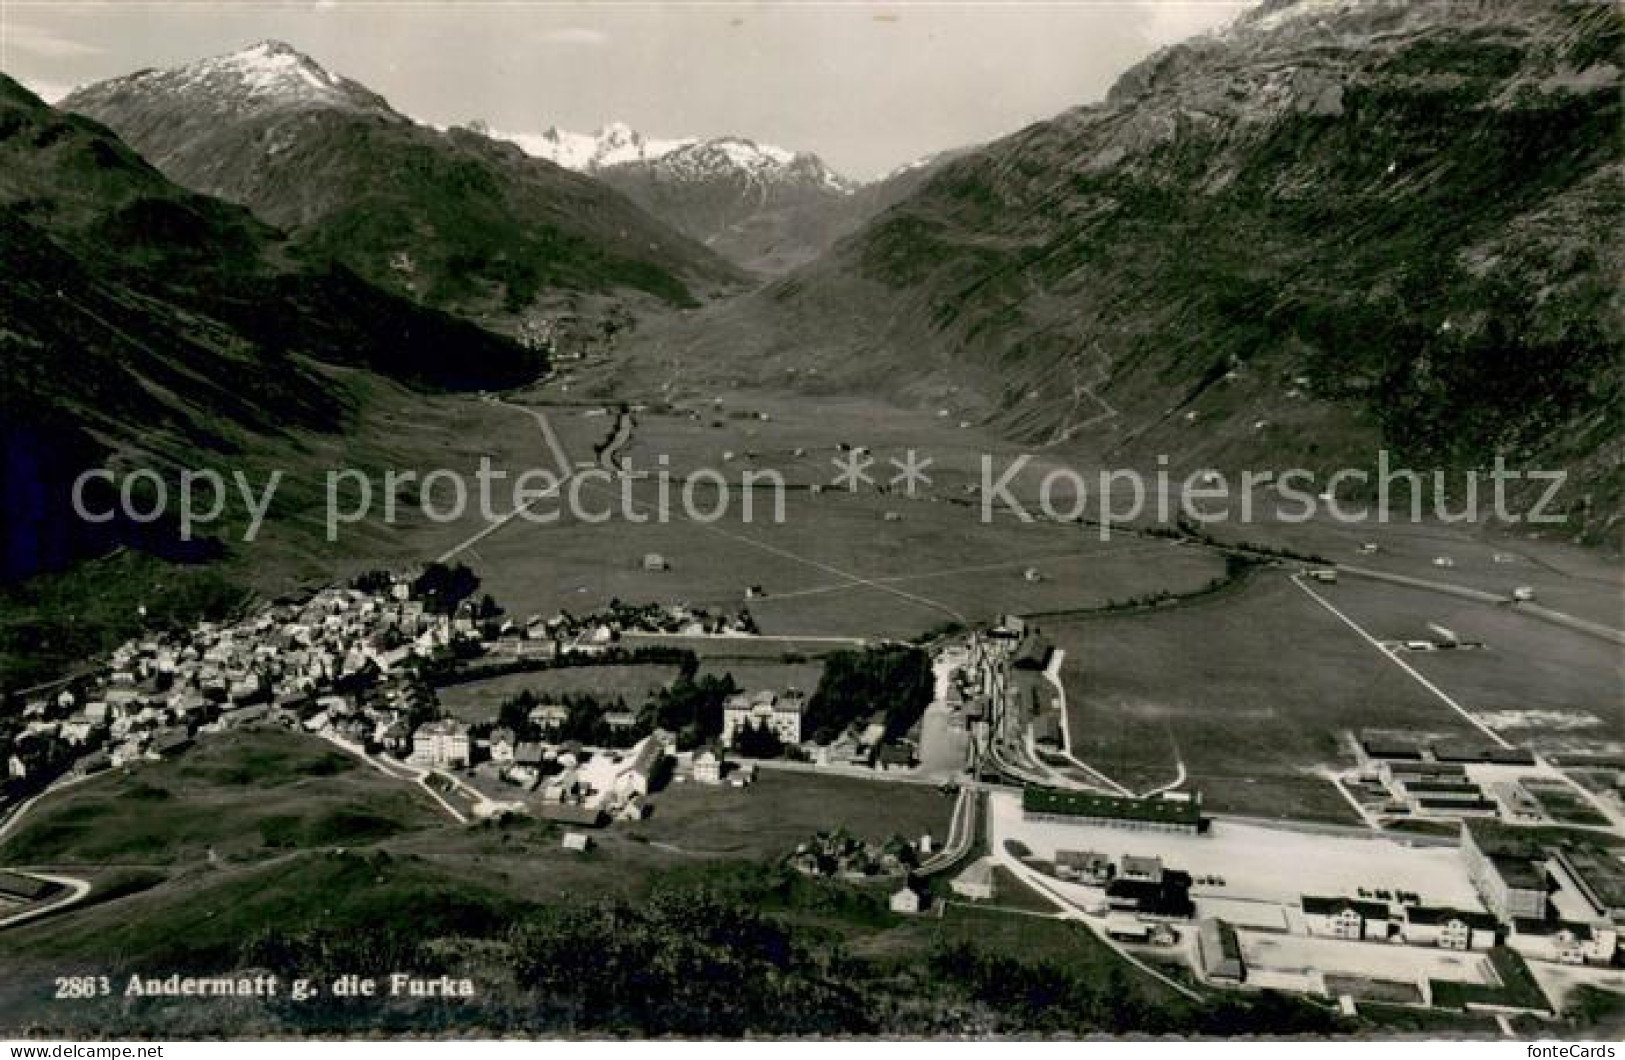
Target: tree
column 760, row 740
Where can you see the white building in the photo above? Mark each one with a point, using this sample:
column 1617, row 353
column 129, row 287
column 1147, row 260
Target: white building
column 441, row 743
column 781, row 713
column 1448, row 929
column 1344, row 918
column 709, row 765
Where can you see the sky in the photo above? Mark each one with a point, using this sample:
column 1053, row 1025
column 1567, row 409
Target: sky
column 867, row 85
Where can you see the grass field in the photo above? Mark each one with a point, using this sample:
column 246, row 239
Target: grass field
column 1535, row 681
column 477, row 701
column 834, row 564
column 752, row 674
column 785, row 808
column 241, row 795
column 1250, row 689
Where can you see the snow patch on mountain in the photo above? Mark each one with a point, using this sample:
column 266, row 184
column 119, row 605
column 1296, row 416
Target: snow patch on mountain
column 269, row 74
column 686, row 158
column 615, row 144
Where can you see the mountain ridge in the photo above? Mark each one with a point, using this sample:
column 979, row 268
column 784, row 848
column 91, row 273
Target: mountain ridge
column 763, row 207
column 448, row 218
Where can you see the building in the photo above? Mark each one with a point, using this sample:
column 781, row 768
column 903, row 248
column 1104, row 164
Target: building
column 1085, row 866
column 1448, row 929
column 503, row 745
column 1394, row 772
column 1167, row 898
column 1507, row 868
column 1390, row 747
column 1598, row 876
column 1136, row 867
column 654, row 561
column 976, row 882
column 580, row 842
column 781, row 713
column 909, row 900
column 441, row 743
column 1344, row 918
column 1465, row 751
column 1033, row 653
column 1567, row 942
column 709, row 765
column 642, row 769
column 1220, row 952
column 548, row 715
column 1169, row 812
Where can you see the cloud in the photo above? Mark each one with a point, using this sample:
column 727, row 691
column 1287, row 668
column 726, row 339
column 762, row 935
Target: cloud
column 576, row 36
column 43, row 43
column 1167, row 21
column 49, row 91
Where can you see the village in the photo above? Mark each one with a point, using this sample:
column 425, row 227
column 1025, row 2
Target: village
column 1488, row 918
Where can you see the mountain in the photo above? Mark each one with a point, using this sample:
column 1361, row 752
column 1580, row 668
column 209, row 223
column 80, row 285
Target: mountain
column 449, row 218
column 149, row 325
column 762, row 207
column 1330, row 228
column 613, row 144
column 765, row 208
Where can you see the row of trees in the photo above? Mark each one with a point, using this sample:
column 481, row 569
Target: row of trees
column 893, row 681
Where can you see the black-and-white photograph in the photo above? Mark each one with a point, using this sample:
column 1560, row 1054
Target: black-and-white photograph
column 848, row 520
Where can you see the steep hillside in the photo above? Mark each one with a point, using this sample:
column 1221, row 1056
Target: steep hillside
column 145, row 325
column 452, row 219
column 1330, row 227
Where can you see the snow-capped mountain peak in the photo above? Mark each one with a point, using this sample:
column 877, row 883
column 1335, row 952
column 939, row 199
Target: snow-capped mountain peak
column 614, row 144
column 267, row 75
column 617, row 144
column 758, row 164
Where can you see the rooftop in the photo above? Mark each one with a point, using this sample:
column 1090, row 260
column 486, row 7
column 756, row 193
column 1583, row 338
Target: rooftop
column 1113, row 807
column 1319, row 905
column 1598, row 872
column 1498, row 840
column 1421, row 914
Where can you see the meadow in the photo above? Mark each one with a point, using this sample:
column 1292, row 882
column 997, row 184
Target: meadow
column 479, row 701
column 238, row 796
column 1532, row 680
column 1250, row 689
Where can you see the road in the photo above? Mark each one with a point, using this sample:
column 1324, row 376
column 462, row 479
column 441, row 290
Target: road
column 962, row 831
column 398, row 770
column 560, row 458
column 77, row 888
